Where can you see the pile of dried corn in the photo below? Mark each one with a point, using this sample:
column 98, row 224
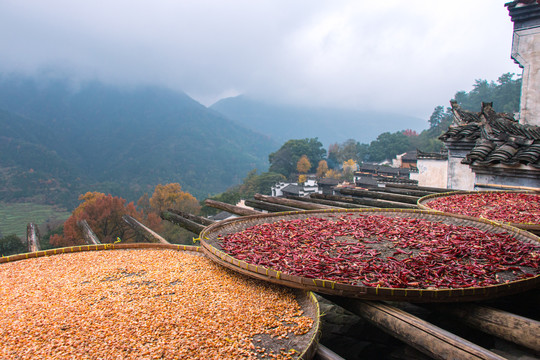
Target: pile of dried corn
column 142, row 304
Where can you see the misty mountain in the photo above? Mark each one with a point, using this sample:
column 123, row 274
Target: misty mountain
column 97, row 137
column 284, row 122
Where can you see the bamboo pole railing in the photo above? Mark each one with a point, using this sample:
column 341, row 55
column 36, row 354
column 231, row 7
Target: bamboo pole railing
column 89, row 236
column 32, row 237
column 148, row 233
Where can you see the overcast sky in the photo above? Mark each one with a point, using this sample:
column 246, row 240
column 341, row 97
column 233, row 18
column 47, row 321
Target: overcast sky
column 398, row 56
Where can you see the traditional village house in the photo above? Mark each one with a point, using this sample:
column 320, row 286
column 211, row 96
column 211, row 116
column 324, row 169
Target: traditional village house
column 405, row 160
column 310, row 186
column 487, row 147
column 431, row 169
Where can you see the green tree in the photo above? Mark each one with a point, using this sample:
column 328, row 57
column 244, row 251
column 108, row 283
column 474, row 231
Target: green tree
column 504, row 94
column 11, row 244
column 388, row 145
column 285, row 159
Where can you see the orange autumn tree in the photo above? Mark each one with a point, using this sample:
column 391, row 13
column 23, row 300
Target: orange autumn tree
column 322, row 168
column 303, row 165
column 104, row 215
column 171, row 196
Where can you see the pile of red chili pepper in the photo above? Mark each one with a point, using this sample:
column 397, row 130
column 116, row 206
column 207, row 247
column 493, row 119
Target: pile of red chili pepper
column 377, row 250
column 499, row 206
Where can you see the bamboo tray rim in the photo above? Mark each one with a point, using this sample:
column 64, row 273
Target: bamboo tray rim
column 360, row 291
column 422, row 204
column 303, row 295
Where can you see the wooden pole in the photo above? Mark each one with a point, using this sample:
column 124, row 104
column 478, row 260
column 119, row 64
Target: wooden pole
column 380, row 195
column 421, row 188
column 288, row 202
column 324, row 353
column 32, row 237
column 338, row 198
column 198, row 219
column 263, row 205
column 410, row 192
column 368, row 202
column 334, row 204
column 89, row 236
column 509, row 187
column 508, row 326
column 182, row 221
column 423, row 336
column 148, row 233
column 231, row 208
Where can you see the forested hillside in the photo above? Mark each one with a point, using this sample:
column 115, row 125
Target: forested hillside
column 284, row 122
column 342, row 156
column 60, row 140
column 504, row 94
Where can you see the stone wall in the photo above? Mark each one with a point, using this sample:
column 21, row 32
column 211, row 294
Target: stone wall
column 526, row 52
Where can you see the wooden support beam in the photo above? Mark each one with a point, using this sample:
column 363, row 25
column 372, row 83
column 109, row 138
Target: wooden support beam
column 288, row 202
column 517, row 329
column 421, row 188
column 324, row 353
column 410, row 192
column 148, row 233
column 423, row 336
column 380, row 195
column 198, row 219
column 334, row 204
column 32, row 237
column 182, row 221
column 339, row 198
column 508, row 187
column 89, row 236
column 366, row 202
column 263, row 205
column 231, row 208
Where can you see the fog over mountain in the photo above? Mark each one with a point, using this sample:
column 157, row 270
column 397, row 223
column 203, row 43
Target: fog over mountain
column 283, row 122
column 58, row 141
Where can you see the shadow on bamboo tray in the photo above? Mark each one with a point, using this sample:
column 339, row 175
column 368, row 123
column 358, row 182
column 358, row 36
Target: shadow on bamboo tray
column 379, row 254
column 156, row 302
column 515, row 208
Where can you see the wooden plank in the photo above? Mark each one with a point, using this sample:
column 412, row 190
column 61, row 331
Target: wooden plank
column 368, row 202
column 89, row 236
column 339, row 198
column 421, row 188
column 410, row 192
column 148, row 233
column 324, row 353
column 182, row 221
column 288, row 202
column 32, row 237
column 334, row 204
column 508, row 326
column 231, row 208
column 423, row 336
column 380, row 195
column 197, row 219
column 263, row 205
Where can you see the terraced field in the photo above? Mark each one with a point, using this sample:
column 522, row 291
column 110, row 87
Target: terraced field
column 15, row 217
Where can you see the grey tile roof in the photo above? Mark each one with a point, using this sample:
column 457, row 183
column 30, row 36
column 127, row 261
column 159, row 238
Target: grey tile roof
column 498, row 137
column 292, row 189
column 433, row 156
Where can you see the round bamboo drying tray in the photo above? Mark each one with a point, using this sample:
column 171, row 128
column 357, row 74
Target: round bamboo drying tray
column 305, row 345
column 423, row 203
column 211, row 246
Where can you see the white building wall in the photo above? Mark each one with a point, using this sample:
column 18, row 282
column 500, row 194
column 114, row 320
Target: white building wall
column 431, row 173
column 460, row 176
column 526, row 51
